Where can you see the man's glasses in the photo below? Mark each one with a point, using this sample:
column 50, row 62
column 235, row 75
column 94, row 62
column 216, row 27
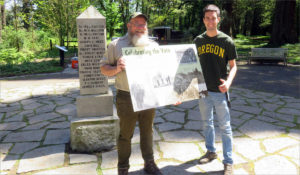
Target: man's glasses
column 138, row 25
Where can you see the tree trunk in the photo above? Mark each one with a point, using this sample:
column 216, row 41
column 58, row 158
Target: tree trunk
column 143, row 7
column 173, row 21
column 3, row 18
column 0, row 23
column 181, row 25
column 247, row 23
column 193, row 18
column 236, row 24
column 124, row 9
column 26, row 13
column 137, row 5
column 16, row 24
column 187, row 21
column 226, row 24
column 61, row 39
column 298, row 19
column 256, row 20
column 67, row 21
column 283, row 29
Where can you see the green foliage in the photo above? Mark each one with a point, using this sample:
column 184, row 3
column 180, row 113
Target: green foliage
column 112, row 15
column 34, row 40
column 293, row 53
column 192, row 32
column 29, row 44
column 30, row 68
column 245, row 43
column 12, row 37
column 59, row 17
column 267, row 15
column 12, row 56
column 159, row 21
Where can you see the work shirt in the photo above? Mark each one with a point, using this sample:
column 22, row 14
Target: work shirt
column 214, row 53
column 113, row 53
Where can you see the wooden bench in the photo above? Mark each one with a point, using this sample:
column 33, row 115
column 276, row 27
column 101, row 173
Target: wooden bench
column 263, row 54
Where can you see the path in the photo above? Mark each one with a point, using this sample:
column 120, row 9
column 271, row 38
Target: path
column 35, row 119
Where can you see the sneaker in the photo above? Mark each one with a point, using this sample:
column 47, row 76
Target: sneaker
column 208, row 157
column 122, row 171
column 151, row 168
column 228, row 169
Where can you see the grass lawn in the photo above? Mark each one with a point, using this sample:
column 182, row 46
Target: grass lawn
column 245, row 43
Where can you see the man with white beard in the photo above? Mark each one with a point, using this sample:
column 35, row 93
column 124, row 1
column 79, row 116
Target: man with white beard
column 113, row 64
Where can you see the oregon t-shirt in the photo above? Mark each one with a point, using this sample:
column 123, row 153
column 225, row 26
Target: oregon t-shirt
column 214, row 53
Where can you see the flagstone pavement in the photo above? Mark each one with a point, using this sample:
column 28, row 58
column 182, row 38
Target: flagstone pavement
column 35, row 133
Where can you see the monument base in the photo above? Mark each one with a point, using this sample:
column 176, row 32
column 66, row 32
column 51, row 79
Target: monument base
column 94, row 134
column 95, row 105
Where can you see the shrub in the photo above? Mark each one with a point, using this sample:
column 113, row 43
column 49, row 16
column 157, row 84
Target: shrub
column 30, row 68
column 12, row 56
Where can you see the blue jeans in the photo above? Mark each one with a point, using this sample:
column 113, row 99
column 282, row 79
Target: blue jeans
column 206, row 105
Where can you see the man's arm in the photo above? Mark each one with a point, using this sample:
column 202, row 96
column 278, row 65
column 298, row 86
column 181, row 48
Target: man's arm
column 110, row 70
column 224, row 87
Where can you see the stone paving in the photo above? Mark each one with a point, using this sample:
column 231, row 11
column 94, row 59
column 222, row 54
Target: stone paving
column 35, row 121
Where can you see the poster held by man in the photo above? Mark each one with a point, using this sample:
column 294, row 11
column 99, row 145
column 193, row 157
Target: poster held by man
column 163, row 75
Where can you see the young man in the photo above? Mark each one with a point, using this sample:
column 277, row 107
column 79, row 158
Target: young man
column 216, row 50
column 113, row 64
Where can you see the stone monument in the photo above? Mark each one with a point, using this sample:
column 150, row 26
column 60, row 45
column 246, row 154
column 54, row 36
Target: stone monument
column 96, row 126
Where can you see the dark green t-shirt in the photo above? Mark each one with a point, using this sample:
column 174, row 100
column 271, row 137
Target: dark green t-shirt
column 214, row 53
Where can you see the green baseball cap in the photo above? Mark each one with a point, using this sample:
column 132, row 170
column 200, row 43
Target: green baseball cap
column 136, row 14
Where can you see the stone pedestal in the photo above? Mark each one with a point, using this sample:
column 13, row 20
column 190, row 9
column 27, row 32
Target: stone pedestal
column 96, row 126
column 94, row 134
column 95, row 105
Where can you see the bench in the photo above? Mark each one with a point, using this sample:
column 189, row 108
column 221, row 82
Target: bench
column 264, row 54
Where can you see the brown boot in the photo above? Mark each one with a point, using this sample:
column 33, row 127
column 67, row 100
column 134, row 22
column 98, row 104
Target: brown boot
column 122, row 171
column 228, row 169
column 208, row 157
column 151, row 168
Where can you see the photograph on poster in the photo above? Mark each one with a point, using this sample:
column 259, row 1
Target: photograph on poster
column 163, row 75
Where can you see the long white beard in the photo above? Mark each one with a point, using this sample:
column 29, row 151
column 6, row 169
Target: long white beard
column 141, row 41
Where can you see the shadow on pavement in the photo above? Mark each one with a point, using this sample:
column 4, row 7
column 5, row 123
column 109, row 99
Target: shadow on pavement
column 180, row 169
column 281, row 80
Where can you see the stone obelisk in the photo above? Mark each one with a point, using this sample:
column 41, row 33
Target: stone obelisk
column 96, row 126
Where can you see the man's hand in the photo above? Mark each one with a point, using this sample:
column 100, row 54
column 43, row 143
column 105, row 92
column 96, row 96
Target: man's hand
column 110, row 70
column 225, row 84
column 224, row 87
column 120, row 64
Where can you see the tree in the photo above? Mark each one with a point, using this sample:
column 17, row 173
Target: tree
column 124, row 10
column 113, row 18
column 2, row 12
column 284, row 29
column 2, row 17
column 26, row 13
column 16, row 22
column 256, row 18
column 298, row 17
column 227, row 22
column 56, row 16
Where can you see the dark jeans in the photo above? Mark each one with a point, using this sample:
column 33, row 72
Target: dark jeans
column 128, row 119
